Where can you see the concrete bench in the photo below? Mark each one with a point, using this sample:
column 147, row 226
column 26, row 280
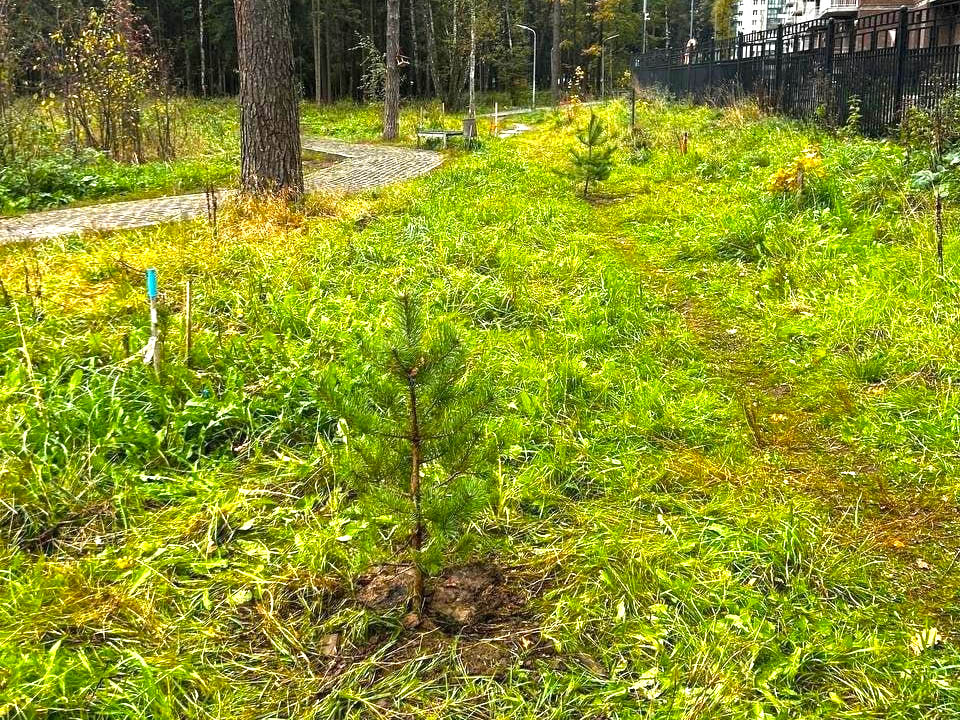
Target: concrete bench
column 444, row 135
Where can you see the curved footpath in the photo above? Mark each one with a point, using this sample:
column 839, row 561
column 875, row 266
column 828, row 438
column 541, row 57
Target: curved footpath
column 363, row 167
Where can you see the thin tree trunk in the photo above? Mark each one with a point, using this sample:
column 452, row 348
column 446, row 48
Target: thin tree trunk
column 432, row 47
column 203, row 54
column 391, row 86
column 472, row 109
column 415, row 71
column 326, row 52
column 317, row 60
column 416, row 543
column 269, row 112
column 555, row 53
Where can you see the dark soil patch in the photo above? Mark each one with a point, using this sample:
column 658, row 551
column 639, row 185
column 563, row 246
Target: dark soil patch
column 460, row 597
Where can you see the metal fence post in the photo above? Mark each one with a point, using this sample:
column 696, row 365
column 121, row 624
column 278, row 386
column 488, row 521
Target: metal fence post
column 902, row 47
column 778, row 69
column 739, row 77
column 669, row 82
column 711, row 61
column 830, row 45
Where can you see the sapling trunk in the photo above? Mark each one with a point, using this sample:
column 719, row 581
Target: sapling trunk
column 939, row 228
column 416, row 448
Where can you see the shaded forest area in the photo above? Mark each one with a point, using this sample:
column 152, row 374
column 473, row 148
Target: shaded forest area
column 339, row 44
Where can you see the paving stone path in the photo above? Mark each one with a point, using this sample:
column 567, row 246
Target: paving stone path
column 363, row 167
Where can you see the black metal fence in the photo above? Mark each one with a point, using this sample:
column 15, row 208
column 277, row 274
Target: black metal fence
column 890, row 61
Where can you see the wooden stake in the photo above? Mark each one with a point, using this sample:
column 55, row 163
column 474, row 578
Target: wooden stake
column 23, row 343
column 188, row 324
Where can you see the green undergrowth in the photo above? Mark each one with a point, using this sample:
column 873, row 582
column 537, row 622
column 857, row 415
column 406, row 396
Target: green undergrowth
column 727, row 424
column 207, row 139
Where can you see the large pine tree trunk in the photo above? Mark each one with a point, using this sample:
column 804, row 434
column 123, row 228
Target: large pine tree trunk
column 269, row 112
column 555, row 53
column 391, row 86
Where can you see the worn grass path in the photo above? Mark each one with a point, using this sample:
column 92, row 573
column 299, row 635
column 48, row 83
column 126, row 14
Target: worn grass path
column 363, row 167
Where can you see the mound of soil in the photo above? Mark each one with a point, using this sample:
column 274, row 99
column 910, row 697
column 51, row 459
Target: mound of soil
column 459, row 598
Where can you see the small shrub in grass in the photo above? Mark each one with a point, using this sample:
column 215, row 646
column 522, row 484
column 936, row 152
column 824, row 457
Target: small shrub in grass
column 415, row 432
column 593, row 161
column 797, row 175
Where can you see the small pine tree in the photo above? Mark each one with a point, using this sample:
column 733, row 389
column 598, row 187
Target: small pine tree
column 594, row 161
column 416, row 434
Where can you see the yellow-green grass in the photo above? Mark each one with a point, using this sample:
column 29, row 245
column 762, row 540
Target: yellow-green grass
column 728, row 428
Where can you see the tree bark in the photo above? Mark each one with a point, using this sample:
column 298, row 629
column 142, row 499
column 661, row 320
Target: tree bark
column 555, row 54
column 391, row 85
column 269, row 111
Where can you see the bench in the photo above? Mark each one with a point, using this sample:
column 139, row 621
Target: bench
column 444, row 135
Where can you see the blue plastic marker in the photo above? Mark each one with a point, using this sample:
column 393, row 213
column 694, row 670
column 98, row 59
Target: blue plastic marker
column 152, row 283
column 150, row 351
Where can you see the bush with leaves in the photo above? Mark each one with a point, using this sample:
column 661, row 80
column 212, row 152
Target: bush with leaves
column 593, row 161
column 105, row 71
column 415, row 439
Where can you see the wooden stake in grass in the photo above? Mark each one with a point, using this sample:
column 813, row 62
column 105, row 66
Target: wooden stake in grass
column 211, row 193
column 23, row 344
column 188, row 323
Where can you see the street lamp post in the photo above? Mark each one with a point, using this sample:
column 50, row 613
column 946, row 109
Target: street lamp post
column 603, row 65
column 531, row 30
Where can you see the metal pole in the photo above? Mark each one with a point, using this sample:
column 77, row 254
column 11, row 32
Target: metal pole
column 531, row 30
column 644, row 25
column 691, row 19
column 603, row 66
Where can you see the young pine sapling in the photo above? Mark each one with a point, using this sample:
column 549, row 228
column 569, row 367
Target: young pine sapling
column 416, row 437
column 593, row 161
column 938, row 178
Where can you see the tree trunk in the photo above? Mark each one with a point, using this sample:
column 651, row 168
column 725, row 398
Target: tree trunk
column 415, row 70
column 473, row 60
column 432, row 48
column 416, row 541
column 269, row 111
column 555, row 53
column 203, row 54
column 326, row 53
column 391, row 85
column 317, row 60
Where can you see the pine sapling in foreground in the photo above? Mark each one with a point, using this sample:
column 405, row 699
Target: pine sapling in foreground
column 593, row 161
column 415, row 436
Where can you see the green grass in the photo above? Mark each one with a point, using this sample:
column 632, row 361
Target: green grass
column 207, row 139
column 728, row 426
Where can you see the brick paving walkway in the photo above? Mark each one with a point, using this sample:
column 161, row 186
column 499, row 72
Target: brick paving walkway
column 363, row 167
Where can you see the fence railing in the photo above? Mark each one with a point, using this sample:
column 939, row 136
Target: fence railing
column 890, row 61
